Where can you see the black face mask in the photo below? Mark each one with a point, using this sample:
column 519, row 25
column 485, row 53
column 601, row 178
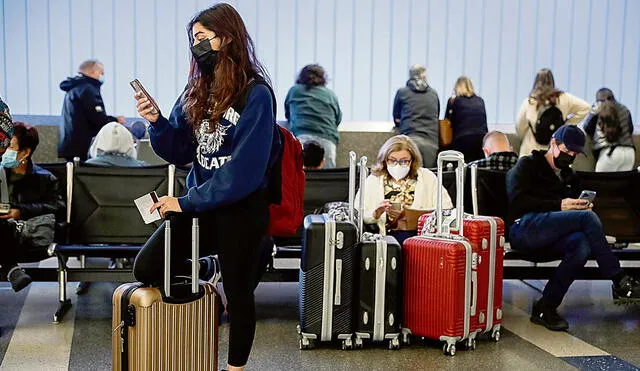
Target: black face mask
column 206, row 57
column 563, row 161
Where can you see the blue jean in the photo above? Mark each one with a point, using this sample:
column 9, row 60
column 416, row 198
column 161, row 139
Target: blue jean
column 329, row 148
column 577, row 234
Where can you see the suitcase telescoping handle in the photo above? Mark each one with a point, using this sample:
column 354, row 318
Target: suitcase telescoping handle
column 195, row 254
column 363, row 180
column 352, row 185
column 474, row 188
column 452, row 156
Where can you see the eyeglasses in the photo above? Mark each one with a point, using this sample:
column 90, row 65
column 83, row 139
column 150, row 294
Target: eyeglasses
column 404, row 162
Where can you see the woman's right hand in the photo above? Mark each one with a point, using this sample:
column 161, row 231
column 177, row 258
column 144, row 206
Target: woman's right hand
column 145, row 108
column 384, row 206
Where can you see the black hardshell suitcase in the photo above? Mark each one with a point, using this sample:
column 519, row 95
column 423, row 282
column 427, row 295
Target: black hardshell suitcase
column 379, row 309
column 327, row 283
column 380, row 291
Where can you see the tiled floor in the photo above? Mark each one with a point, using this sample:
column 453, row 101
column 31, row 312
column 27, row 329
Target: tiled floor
column 602, row 336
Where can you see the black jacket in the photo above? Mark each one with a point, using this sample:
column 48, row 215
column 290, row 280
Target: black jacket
column 534, row 187
column 84, row 115
column 467, row 115
column 36, row 193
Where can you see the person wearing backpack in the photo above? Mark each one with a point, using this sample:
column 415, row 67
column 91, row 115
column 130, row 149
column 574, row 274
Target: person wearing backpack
column 224, row 123
column 610, row 127
column 544, row 111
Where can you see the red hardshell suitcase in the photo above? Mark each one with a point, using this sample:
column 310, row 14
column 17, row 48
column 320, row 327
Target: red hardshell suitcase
column 487, row 233
column 438, row 289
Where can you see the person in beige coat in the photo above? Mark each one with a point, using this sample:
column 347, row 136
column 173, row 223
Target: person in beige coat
column 544, row 92
column 398, row 181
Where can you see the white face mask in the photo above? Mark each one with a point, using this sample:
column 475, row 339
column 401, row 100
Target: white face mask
column 398, row 172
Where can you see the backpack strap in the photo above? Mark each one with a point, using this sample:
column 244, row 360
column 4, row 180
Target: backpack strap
column 242, row 102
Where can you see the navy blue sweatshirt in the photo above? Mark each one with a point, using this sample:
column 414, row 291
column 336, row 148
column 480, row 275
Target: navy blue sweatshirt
column 84, row 115
column 228, row 164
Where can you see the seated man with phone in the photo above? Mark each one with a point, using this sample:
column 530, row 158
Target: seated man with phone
column 545, row 217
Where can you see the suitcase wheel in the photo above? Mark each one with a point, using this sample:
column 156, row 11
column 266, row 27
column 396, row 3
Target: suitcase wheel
column 449, row 349
column 471, row 344
column 495, row 336
column 305, row 344
column 406, row 337
column 359, row 344
column 394, row 344
column 347, row 344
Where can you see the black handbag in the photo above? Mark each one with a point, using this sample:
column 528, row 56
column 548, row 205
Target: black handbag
column 38, row 231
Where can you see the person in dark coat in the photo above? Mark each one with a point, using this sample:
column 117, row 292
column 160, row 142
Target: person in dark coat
column 416, row 112
column 82, row 111
column 468, row 119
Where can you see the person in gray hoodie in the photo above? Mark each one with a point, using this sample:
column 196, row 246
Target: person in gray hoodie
column 416, row 112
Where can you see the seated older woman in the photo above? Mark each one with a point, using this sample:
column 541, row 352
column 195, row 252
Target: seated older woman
column 30, row 192
column 399, row 182
column 114, row 146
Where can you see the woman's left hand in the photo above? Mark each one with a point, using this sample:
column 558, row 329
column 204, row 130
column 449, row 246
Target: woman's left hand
column 166, row 204
column 394, row 214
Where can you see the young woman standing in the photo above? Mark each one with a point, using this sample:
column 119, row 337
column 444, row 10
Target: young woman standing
column 224, row 122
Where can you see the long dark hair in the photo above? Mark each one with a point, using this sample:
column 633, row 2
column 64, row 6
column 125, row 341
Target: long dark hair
column 544, row 89
column 237, row 65
column 312, row 75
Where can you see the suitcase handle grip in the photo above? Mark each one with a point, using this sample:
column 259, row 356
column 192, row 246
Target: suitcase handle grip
column 459, row 158
column 474, row 293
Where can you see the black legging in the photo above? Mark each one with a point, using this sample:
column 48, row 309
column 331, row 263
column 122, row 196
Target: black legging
column 234, row 233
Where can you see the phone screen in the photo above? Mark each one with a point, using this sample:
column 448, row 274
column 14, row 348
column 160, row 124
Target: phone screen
column 588, row 195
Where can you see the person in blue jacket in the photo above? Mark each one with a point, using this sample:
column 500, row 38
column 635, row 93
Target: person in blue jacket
column 83, row 110
column 224, row 123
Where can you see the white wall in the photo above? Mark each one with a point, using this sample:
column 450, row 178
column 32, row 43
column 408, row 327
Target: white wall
column 365, row 45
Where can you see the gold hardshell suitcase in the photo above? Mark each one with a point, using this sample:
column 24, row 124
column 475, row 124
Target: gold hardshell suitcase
column 152, row 331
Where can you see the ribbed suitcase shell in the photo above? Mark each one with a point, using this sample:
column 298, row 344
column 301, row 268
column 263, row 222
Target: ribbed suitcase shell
column 436, row 287
column 478, row 230
column 312, row 277
column 166, row 336
column 389, row 299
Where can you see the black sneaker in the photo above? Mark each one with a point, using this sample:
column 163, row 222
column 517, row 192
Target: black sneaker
column 627, row 291
column 548, row 317
column 19, row 279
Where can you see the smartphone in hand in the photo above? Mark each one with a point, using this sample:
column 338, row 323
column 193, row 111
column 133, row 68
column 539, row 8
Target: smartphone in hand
column 138, row 88
column 588, row 195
